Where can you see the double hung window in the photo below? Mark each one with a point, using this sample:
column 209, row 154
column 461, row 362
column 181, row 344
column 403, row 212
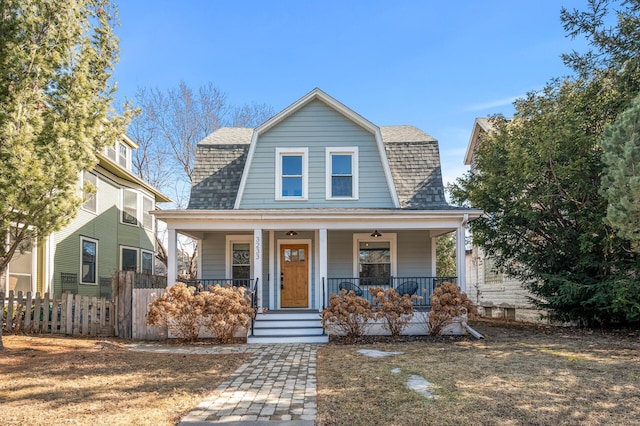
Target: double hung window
column 89, row 262
column 129, row 207
column 342, row 173
column 291, row 173
column 129, row 259
column 375, row 258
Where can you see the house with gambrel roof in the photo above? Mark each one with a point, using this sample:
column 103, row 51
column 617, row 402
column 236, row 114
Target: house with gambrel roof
column 315, row 200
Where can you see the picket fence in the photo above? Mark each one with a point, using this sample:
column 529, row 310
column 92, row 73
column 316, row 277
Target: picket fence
column 72, row 314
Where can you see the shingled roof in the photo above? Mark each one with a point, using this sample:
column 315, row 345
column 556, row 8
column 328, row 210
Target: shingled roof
column 413, row 157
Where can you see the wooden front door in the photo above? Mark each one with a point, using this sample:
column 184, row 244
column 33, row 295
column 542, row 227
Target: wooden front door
column 294, row 275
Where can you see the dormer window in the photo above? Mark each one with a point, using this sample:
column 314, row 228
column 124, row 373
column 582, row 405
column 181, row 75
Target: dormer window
column 291, row 173
column 120, row 153
column 342, row 173
column 123, row 155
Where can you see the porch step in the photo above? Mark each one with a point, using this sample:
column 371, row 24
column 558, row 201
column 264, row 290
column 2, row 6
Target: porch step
column 286, row 339
column 288, row 327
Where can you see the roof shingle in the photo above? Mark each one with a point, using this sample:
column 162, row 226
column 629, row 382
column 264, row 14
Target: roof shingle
column 413, row 156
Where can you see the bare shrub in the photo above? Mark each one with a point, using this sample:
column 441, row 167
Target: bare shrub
column 395, row 310
column 447, row 303
column 179, row 310
column 226, row 309
column 348, row 314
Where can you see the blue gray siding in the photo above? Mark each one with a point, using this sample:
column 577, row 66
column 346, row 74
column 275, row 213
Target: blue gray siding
column 316, row 126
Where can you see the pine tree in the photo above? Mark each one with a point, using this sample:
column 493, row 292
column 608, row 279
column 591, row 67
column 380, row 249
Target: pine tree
column 56, row 59
column 621, row 180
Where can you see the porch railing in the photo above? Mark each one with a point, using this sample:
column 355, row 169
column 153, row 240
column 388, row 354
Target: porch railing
column 205, row 283
column 418, row 286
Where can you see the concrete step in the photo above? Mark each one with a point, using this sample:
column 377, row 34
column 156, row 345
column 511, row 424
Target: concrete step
column 291, row 331
column 287, row 339
column 289, row 316
column 276, row 323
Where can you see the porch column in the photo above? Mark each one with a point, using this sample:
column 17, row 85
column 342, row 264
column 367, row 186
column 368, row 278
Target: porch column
column 272, row 270
column 322, row 268
column 461, row 267
column 434, row 256
column 172, row 256
column 257, row 262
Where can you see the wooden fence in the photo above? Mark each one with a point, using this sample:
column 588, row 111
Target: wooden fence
column 72, row 314
column 131, row 311
column 140, row 307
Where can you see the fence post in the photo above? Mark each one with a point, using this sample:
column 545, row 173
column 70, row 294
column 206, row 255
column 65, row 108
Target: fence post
column 125, row 292
column 19, row 316
column 2, row 309
column 36, row 312
column 10, row 309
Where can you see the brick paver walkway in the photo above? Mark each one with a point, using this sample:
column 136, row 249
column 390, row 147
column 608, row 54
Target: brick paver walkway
column 277, row 384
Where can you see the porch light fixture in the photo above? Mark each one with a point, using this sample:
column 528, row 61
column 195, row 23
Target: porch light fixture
column 292, row 233
column 376, row 234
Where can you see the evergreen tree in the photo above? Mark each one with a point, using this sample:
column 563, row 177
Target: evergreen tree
column 621, row 180
column 538, row 184
column 446, row 255
column 56, row 59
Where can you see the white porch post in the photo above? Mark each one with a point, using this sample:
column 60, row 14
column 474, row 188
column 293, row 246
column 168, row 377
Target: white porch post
column 322, row 268
column 461, row 267
column 172, row 256
column 272, row 270
column 434, row 254
column 257, row 263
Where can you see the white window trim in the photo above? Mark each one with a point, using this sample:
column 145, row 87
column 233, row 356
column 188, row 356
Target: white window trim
column 95, row 195
column 242, row 239
column 143, row 211
column 353, row 150
column 390, row 237
column 142, row 252
column 304, row 152
column 122, row 192
column 137, row 250
column 93, row 240
column 127, row 155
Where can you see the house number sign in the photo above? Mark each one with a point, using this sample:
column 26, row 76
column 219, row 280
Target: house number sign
column 258, row 246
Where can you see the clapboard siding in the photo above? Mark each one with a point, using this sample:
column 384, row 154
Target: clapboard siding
column 316, row 126
column 414, row 254
column 103, row 226
column 213, row 255
column 339, row 254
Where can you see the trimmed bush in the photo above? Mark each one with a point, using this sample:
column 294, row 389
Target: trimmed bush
column 179, row 310
column 226, row 309
column 347, row 314
column 447, row 303
column 395, row 310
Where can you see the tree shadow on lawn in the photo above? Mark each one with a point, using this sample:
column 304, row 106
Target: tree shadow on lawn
column 50, row 374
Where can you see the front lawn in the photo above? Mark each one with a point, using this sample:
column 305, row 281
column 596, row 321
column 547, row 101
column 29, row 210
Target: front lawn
column 58, row 380
column 517, row 375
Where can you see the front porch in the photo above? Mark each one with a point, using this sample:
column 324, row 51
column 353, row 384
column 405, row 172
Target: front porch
column 294, row 260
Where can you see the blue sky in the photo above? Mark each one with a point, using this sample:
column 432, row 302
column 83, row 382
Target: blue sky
column 433, row 64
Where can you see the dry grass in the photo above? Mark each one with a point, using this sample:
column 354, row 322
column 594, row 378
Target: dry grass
column 59, row 380
column 517, row 375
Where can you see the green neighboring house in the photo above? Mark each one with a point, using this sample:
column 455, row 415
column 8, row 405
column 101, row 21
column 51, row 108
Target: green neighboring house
column 112, row 231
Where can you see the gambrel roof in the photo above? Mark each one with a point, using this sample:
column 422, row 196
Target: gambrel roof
column 413, row 158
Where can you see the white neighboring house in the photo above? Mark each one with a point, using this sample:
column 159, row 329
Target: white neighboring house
column 495, row 294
